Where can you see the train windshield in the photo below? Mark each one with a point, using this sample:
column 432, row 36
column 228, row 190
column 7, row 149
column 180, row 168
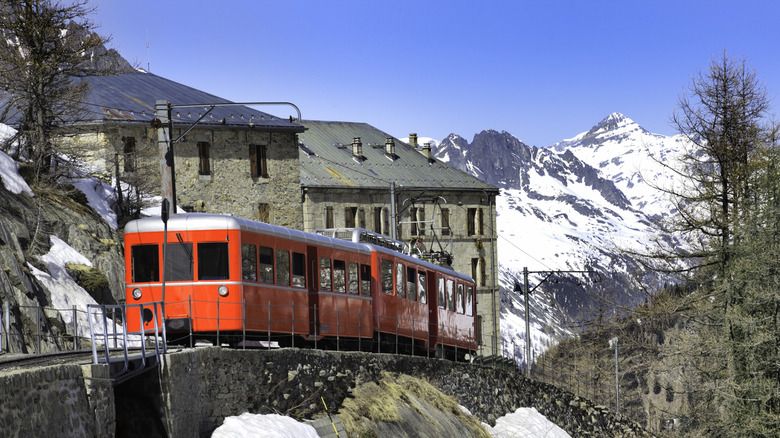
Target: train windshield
column 213, row 261
column 178, row 262
column 145, row 263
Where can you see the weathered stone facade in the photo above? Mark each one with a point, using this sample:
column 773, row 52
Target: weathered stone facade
column 228, row 186
column 470, row 245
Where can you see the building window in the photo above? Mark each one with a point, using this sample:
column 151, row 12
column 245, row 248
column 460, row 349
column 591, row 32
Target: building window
column 361, row 217
column 471, row 221
column 421, row 221
column 129, row 153
column 329, row 217
column 474, row 268
column 481, row 222
column 204, row 166
column 386, row 221
column 378, row 219
column 413, row 221
column 264, row 212
column 350, row 214
column 482, row 269
column 258, row 160
column 445, row 221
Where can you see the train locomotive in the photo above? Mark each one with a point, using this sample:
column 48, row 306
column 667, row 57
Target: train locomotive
column 228, row 279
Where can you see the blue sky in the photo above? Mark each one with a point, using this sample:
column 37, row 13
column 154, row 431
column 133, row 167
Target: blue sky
column 541, row 70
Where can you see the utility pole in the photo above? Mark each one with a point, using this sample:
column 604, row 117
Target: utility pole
column 164, row 126
column 614, row 342
column 526, row 295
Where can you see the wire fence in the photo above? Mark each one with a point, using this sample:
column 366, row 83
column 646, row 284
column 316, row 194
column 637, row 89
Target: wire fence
column 599, row 387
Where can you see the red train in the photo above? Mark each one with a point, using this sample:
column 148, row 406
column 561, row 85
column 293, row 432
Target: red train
column 234, row 280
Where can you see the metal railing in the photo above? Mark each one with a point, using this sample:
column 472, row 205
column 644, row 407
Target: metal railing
column 344, row 328
column 51, row 329
column 269, row 325
column 127, row 337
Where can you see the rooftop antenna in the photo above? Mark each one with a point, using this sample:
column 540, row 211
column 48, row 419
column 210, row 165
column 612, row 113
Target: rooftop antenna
column 148, row 62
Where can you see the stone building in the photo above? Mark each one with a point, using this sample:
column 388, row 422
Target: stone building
column 305, row 175
column 235, row 159
column 350, row 172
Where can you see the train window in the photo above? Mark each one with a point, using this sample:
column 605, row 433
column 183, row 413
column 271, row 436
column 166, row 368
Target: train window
column 299, row 270
column 469, row 301
column 339, row 276
column 282, row 267
column 365, row 280
column 442, row 302
column 325, row 273
column 352, row 274
column 387, row 276
column 145, row 263
column 399, row 280
column 450, row 295
column 266, row 260
column 411, row 284
column 178, row 262
column 421, row 287
column 459, row 301
column 248, row 262
column 213, row 261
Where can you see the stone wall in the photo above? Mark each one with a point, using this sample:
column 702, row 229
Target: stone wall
column 199, row 388
column 63, row 401
column 196, row 389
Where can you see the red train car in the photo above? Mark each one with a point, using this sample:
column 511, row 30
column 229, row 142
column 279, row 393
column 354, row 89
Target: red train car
column 232, row 279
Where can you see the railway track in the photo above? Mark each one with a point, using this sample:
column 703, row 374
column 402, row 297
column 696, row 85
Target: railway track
column 12, row 361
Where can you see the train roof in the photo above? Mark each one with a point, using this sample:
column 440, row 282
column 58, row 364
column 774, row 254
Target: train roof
column 208, row 221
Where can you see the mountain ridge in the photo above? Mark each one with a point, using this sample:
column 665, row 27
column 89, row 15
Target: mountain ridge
column 575, row 206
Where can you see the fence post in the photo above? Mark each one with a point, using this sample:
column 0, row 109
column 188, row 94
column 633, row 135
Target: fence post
column 38, row 325
column 192, row 317
column 6, row 313
column 396, row 334
column 293, row 325
column 360, row 334
column 412, row 336
column 75, row 329
column 269, row 324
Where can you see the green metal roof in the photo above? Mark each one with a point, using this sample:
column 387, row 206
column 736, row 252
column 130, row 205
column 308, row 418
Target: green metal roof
column 327, row 161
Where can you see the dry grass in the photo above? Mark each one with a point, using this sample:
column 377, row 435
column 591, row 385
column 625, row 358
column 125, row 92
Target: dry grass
column 373, row 403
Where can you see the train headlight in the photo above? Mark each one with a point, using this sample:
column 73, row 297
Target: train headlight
column 222, row 291
column 137, row 293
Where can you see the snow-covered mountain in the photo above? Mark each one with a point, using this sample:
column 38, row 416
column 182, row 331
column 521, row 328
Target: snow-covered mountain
column 571, row 207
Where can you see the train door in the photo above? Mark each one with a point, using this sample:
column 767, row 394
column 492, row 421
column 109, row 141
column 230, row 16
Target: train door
column 433, row 313
column 314, row 297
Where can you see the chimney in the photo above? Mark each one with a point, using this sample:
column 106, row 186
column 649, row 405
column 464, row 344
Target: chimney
column 390, row 147
column 413, row 140
column 426, row 150
column 357, row 148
